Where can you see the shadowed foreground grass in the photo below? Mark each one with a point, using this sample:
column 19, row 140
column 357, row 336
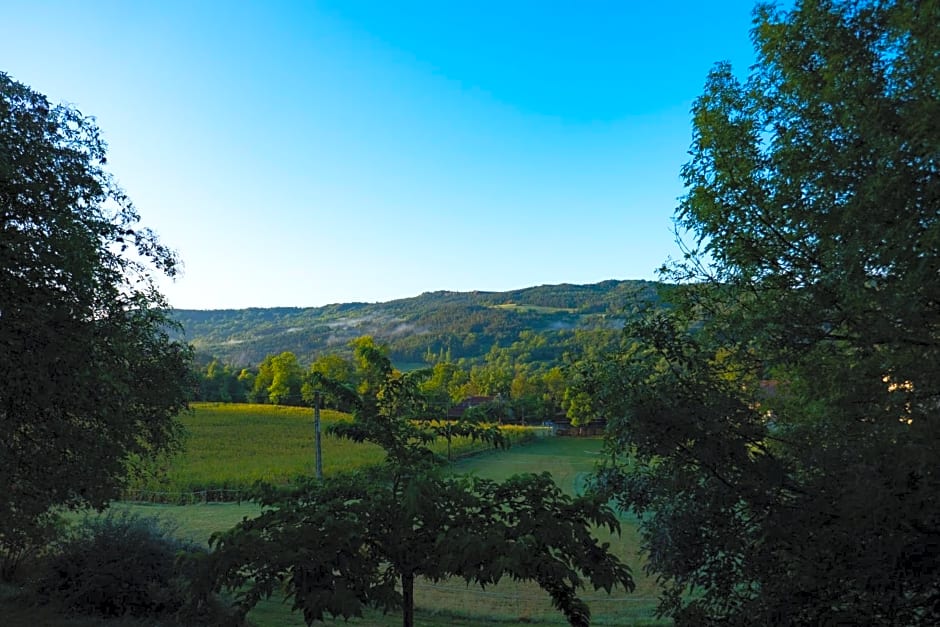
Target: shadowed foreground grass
column 569, row 460
column 438, row 604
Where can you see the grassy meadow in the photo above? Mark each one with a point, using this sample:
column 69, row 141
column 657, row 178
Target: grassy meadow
column 230, row 446
column 234, row 445
column 569, row 460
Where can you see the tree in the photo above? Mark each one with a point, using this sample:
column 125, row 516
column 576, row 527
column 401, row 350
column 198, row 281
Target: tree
column 443, row 384
column 340, row 545
column 777, row 430
column 218, row 382
column 555, row 382
column 261, row 381
column 345, row 544
column 91, row 381
column 372, row 368
column 286, row 379
column 278, row 381
column 577, row 406
column 246, row 382
column 212, row 383
column 331, row 367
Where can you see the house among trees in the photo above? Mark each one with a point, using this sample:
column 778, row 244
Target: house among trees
column 458, row 410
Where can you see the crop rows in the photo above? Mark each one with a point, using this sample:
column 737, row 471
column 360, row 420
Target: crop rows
column 229, row 447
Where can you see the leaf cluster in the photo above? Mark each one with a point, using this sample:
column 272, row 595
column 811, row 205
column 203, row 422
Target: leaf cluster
column 341, row 546
column 777, row 429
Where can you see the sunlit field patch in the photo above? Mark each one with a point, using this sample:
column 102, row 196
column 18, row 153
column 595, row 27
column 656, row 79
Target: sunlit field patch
column 230, row 446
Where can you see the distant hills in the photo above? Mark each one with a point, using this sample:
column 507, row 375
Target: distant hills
column 455, row 325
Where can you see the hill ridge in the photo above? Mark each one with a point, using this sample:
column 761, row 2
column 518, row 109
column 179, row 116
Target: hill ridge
column 465, row 325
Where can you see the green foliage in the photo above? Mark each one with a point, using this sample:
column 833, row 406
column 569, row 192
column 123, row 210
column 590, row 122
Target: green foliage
column 117, row 565
column 344, row 544
column 442, row 387
column 524, row 375
column 219, row 382
column 334, row 377
column 91, row 378
column 778, row 429
column 286, row 379
column 277, row 381
column 490, row 411
column 24, row 535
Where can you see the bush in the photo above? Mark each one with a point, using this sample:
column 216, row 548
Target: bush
column 24, row 534
column 115, row 565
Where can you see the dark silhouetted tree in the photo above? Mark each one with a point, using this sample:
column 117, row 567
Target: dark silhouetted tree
column 778, row 429
column 89, row 379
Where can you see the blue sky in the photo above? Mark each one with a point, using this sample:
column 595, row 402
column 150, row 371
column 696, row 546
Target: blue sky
column 306, row 153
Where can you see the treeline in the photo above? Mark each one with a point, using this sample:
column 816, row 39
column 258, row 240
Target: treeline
column 466, row 325
column 527, row 381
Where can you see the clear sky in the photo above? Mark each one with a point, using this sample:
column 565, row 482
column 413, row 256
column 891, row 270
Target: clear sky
column 306, row 153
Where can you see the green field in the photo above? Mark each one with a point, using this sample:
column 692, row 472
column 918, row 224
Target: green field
column 228, row 447
column 534, row 308
column 453, row 603
column 570, row 460
column 231, row 446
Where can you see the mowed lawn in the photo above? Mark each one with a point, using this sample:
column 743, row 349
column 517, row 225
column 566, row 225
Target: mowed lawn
column 453, row 602
column 570, row 461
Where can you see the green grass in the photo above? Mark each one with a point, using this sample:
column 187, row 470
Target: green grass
column 229, row 446
column 235, row 444
column 452, row 602
column 534, row 308
column 570, row 460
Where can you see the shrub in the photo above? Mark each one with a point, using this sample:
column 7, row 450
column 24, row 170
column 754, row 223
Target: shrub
column 24, row 534
column 115, row 565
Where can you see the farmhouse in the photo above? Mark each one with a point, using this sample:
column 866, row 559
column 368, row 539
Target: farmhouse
column 458, row 410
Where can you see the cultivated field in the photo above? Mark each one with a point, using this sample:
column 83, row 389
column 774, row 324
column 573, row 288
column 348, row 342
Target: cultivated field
column 229, row 447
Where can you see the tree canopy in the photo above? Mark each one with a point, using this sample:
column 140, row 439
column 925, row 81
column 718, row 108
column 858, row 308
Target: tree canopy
column 354, row 541
column 778, row 429
column 89, row 379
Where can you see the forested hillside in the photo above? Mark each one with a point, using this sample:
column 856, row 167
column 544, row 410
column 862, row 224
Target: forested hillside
column 434, row 325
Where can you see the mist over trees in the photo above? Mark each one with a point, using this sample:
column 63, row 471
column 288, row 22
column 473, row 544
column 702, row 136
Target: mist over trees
column 435, row 326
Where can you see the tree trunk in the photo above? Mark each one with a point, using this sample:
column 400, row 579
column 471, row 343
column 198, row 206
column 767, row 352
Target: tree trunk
column 408, row 599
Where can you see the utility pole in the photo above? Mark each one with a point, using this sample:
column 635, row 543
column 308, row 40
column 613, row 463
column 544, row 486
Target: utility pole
column 316, row 426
